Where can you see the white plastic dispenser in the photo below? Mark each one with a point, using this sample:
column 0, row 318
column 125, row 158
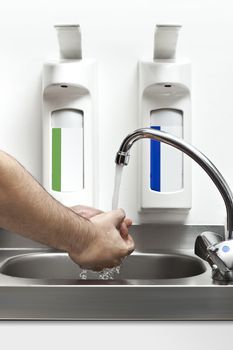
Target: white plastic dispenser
column 69, row 122
column 165, row 104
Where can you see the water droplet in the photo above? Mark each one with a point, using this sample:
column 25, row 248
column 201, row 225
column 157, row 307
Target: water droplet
column 83, row 274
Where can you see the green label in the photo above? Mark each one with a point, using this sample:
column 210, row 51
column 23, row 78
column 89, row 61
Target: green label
column 56, row 159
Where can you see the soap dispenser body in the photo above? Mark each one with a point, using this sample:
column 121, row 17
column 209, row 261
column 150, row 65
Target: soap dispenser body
column 165, row 104
column 69, row 131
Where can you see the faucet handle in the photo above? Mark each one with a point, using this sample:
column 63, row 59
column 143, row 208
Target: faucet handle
column 204, row 242
column 224, row 251
column 218, row 253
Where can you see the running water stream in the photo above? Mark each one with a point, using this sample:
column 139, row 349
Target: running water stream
column 109, row 274
column 117, row 184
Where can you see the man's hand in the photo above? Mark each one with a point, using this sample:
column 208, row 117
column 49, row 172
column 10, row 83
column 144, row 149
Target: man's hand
column 89, row 212
column 104, row 246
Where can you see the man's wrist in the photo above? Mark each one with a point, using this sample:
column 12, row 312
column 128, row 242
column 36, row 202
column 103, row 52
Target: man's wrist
column 81, row 234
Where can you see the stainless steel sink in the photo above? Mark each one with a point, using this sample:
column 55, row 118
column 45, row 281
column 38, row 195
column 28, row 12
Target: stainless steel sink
column 163, row 280
column 139, row 266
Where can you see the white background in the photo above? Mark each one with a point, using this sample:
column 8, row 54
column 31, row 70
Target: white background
column 118, row 33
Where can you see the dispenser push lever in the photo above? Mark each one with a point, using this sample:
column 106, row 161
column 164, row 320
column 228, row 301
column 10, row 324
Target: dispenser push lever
column 69, row 41
column 165, row 40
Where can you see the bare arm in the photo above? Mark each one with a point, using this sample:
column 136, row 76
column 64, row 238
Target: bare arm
column 26, row 208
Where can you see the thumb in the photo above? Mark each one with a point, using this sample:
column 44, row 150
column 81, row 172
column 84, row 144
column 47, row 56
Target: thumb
column 116, row 216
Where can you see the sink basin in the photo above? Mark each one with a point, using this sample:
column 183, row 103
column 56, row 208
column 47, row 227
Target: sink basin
column 163, row 280
column 139, row 266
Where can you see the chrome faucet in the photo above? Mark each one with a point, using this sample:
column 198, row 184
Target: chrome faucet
column 209, row 245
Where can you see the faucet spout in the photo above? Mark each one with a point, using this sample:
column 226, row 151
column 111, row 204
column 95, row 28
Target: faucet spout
column 122, row 157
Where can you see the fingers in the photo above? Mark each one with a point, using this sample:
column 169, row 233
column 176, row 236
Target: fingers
column 124, row 227
column 128, row 222
column 116, row 217
column 130, row 244
column 124, row 230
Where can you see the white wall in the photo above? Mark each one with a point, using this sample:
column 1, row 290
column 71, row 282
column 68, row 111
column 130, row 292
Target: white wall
column 117, row 336
column 118, row 33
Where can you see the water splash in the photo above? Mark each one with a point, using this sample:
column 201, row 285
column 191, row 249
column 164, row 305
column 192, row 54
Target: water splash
column 109, row 274
column 105, row 274
column 83, row 274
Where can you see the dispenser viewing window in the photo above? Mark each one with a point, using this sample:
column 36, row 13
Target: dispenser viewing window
column 67, row 150
column 166, row 163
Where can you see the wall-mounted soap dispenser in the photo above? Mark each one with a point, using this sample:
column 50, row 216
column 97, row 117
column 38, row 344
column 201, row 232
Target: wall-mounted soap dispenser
column 164, row 103
column 69, row 122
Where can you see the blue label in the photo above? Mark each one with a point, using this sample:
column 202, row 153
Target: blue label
column 225, row 248
column 155, row 163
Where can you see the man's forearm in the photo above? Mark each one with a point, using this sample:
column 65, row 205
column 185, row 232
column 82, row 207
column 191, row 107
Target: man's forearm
column 26, row 208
